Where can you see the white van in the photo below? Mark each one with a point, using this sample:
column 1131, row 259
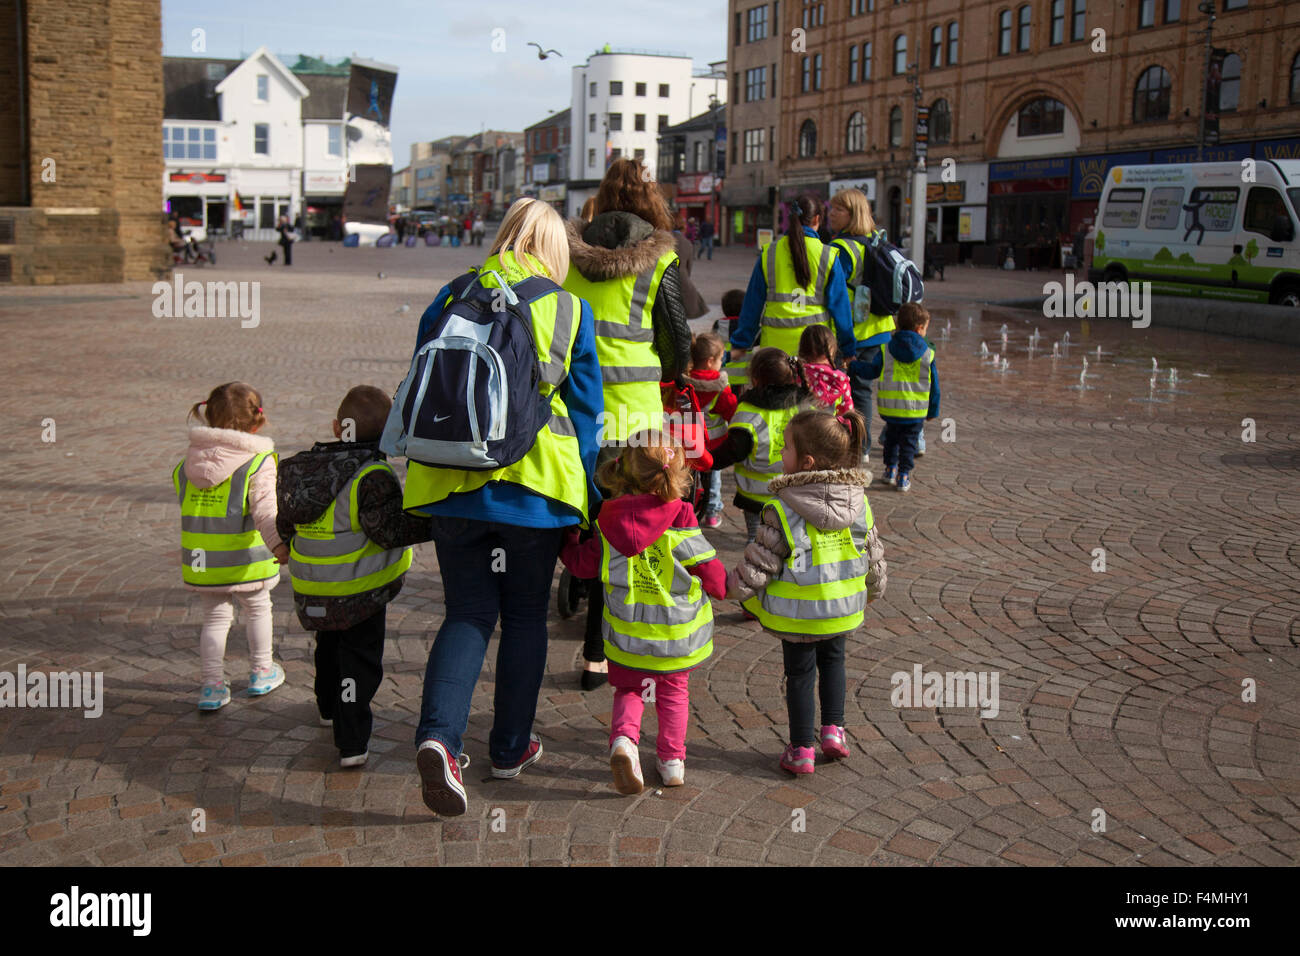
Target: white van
column 1215, row 230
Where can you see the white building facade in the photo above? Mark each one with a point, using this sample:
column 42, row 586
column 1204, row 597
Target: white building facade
column 619, row 102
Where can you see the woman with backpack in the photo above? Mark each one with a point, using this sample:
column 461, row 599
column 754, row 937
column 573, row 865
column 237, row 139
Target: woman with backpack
column 625, row 263
column 498, row 532
column 798, row 281
column 855, row 230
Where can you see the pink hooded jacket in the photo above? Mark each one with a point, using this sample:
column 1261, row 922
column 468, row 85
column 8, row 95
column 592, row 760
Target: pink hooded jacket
column 213, row 456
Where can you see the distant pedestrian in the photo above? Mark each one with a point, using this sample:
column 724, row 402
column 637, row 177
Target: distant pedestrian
column 230, row 549
column 706, row 238
column 658, row 572
column 286, row 239
column 479, row 228
column 809, row 574
column 401, row 229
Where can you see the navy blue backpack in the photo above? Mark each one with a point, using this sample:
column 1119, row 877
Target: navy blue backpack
column 470, row 400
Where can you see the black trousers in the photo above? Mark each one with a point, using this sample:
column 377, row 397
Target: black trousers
column 899, row 443
column 820, row 663
column 288, row 252
column 349, row 667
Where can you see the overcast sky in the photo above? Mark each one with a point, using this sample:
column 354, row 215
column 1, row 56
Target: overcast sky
column 449, row 80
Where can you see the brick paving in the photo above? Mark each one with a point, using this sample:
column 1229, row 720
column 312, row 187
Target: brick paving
column 1119, row 691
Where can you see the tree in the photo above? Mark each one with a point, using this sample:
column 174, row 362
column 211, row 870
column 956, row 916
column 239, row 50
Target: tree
column 1164, row 255
column 1252, row 250
column 1099, row 243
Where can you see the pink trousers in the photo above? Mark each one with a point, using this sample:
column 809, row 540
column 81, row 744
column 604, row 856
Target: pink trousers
column 669, row 693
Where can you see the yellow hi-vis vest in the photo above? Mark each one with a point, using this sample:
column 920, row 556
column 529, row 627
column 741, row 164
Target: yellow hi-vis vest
column 738, row 373
column 767, row 427
column 904, row 390
column 219, row 543
column 855, row 250
column 822, row 588
column 657, row 616
column 553, row 466
column 784, row 318
column 630, row 369
column 332, row 557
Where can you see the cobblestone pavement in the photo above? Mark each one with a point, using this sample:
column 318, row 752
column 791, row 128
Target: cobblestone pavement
column 1120, row 691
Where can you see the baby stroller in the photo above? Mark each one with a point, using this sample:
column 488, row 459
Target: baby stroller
column 684, row 422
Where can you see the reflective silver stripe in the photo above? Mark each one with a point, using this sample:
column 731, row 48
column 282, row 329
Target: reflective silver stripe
column 641, row 295
column 626, row 374
column 921, row 388
column 345, row 570
column 754, row 486
column 606, row 329
column 667, row 615
column 681, row 647
column 562, row 425
column 771, row 271
column 332, row 547
column 795, row 321
column 815, row 608
column 227, row 559
column 693, row 546
column 234, row 521
column 823, row 274
column 553, row 369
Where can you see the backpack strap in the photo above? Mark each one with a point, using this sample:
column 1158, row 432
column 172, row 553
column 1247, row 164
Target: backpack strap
column 534, row 287
column 459, row 285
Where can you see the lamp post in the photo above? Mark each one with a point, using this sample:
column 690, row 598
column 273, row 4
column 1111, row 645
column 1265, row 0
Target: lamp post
column 920, row 138
column 1206, row 7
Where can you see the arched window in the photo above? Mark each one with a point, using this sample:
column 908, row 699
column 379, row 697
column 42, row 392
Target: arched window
column 1022, row 39
column 1230, row 89
column 900, row 53
column 855, row 135
column 1151, row 98
column 808, row 139
column 896, row 126
column 940, row 123
column 1004, row 33
column 1295, row 79
column 952, row 43
column 936, row 47
column 1041, row 117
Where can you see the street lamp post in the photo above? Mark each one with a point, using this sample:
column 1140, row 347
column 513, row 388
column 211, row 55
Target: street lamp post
column 919, row 177
column 1206, row 7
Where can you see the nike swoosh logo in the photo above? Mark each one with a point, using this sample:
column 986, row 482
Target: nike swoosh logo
column 442, row 418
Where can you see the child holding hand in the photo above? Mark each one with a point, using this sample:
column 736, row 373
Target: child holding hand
column 657, row 571
column 810, row 572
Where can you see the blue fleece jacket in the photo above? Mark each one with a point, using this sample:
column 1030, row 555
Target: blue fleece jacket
column 837, row 304
column 904, row 347
column 584, row 397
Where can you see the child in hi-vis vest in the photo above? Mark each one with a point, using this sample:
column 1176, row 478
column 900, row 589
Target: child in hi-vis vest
column 341, row 513
column 657, row 570
column 810, row 572
column 230, row 550
column 718, row 404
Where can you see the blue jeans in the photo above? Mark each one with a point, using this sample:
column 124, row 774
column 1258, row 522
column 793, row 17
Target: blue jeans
column 860, row 389
column 713, row 488
column 517, row 590
column 707, row 245
column 898, row 443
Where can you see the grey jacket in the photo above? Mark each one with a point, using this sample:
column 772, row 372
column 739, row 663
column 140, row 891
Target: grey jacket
column 825, row 499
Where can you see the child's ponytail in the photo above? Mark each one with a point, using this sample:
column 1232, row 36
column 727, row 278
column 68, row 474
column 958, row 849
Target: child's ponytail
column 650, row 464
column 235, row 405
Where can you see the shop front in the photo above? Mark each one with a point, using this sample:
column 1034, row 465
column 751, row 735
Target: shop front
column 697, row 198
column 746, row 209
column 201, row 200
column 955, row 209
column 821, row 188
column 322, row 202
column 1028, row 211
column 556, row 194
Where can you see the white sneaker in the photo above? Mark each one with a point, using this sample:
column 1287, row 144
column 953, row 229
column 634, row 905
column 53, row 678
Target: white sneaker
column 358, row 760
column 672, row 772
column 625, row 764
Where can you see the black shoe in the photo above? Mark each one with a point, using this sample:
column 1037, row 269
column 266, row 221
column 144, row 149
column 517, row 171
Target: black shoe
column 593, row 679
column 567, row 595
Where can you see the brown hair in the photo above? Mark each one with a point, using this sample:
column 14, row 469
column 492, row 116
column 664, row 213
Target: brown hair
column 833, row 439
column 588, row 208
column 912, row 316
column 368, row 407
column 651, row 463
column 627, row 187
column 732, row 301
column 856, row 204
column 818, row 341
column 802, row 211
column 704, row 347
column 772, row 366
column 235, row 405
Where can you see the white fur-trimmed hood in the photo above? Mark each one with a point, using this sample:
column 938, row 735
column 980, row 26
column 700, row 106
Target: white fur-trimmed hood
column 215, row 453
column 825, row 499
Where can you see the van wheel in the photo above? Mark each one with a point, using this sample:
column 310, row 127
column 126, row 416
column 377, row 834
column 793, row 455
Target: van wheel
column 1115, row 274
column 1286, row 293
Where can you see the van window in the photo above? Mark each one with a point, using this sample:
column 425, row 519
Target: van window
column 1123, row 208
column 1166, row 207
column 1263, row 206
column 1213, row 209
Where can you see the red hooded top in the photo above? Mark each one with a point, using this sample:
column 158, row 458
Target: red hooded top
column 631, row 523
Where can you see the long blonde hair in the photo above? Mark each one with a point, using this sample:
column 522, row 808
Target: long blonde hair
column 858, row 206
column 535, row 228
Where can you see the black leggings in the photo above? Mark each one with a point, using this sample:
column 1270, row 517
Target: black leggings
column 822, row 662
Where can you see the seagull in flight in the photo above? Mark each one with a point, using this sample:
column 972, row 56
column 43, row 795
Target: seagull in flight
column 543, row 54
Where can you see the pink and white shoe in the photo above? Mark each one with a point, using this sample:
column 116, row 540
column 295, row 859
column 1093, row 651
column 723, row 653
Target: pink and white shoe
column 798, row 760
column 833, row 743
